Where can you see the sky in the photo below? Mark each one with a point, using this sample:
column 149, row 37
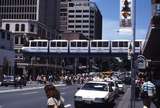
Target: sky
column 110, row 13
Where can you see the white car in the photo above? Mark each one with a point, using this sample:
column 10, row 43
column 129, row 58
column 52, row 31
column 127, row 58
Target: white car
column 120, row 85
column 94, row 93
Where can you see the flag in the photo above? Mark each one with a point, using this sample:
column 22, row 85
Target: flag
column 126, row 16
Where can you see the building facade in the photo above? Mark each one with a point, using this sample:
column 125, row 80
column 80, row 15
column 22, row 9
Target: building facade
column 28, row 19
column 6, row 53
column 81, row 16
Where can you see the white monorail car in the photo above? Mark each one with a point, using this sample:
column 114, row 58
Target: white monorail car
column 37, row 46
column 58, row 46
column 78, row 46
column 120, row 46
column 138, row 45
column 99, row 46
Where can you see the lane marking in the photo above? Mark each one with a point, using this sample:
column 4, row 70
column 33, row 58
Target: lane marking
column 28, row 93
column 68, row 105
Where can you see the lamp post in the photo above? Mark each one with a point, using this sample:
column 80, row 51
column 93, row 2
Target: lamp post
column 133, row 56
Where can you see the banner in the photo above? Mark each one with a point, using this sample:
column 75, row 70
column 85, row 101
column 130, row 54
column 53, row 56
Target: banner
column 125, row 16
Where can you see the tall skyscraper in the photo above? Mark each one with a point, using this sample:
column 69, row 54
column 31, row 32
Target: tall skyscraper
column 81, row 16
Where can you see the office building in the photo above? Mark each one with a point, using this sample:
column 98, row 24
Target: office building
column 28, row 19
column 81, row 16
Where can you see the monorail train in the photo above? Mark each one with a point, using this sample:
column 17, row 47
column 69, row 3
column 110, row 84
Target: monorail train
column 82, row 46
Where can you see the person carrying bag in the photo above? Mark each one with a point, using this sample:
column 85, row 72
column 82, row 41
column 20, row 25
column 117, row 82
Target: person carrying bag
column 54, row 98
column 148, row 93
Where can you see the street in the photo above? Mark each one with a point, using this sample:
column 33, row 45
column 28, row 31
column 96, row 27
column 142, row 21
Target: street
column 37, row 99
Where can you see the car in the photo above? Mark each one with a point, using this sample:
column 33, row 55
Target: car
column 11, row 80
column 8, row 80
column 94, row 93
column 120, row 85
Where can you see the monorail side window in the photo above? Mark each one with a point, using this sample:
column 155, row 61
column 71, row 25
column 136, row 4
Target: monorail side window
column 39, row 44
column 44, row 44
column 84, row 44
column 120, row 44
column 58, row 44
column 99, row 44
column 64, row 44
column 33, row 44
column 78, row 44
column 73, row 44
column 53, row 44
column 93, row 44
column 125, row 44
column 105, row 44
column 137, row 44
column 114, row 44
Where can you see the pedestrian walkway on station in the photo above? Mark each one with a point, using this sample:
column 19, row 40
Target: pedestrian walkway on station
column 125, row 102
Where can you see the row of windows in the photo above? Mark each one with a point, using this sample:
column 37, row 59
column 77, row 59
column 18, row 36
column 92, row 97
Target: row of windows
column 17, row 27
column 80, row 26
column 78, row 11
column 99, row 44
column 79, row 16
column 53, row 44
column 18, row 9
column 5, row 35
column 18, row 16
column 19, row 40
column 79, row 21
column 18, row 2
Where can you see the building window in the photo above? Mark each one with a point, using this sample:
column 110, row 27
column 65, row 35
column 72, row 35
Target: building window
column 7, row 26
column 71, row 21
column 22, row 27
column 71, row 11
column 71, row 26
column 16, row 40
column 71, row 16
column 78, row 21
column 3, row 35
column 17, row 27
column 78, row 26
column 71, row 4
column 31, row 28
column 8, row 36
column 22, row 40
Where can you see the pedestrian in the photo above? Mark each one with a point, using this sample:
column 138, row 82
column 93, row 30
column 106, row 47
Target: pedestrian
column 55, row 100
column 147, row 93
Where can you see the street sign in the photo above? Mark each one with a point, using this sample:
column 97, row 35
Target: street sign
column 141, row 62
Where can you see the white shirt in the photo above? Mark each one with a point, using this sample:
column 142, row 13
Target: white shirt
column 51, row 101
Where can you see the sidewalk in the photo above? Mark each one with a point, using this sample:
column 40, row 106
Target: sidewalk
column 125, row 102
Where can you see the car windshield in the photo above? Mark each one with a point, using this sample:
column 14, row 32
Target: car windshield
column 95, row 86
